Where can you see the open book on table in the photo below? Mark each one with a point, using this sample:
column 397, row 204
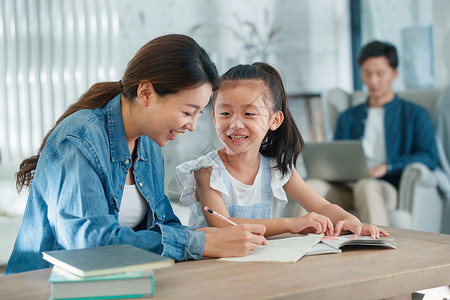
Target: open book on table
column 290, row 248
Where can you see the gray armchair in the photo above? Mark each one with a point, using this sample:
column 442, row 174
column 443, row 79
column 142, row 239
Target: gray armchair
column 420, row 203
column 441, row 122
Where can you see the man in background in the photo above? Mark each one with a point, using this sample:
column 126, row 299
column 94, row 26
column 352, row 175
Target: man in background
column 394, row 133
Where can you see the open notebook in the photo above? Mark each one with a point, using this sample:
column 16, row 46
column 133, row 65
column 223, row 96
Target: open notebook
column 289, row 248
column 286, row 250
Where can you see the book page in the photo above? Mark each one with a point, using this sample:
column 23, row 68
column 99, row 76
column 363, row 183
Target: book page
column 288, row 250
column 339, row 241
column 322, row 248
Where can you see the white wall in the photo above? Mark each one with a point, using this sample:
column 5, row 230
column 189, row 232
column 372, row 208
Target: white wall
column 441, row 33
column 50, row 53
column 312, row 49
column 408, row 25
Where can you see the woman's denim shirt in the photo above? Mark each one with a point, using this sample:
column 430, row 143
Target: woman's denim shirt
column 77, row 188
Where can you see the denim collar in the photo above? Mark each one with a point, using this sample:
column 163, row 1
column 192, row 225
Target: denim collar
column 116, row 133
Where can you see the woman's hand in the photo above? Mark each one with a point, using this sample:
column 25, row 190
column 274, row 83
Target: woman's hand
column 358, row 228
column 207, row 229
column 311, row 223
column 234, row 240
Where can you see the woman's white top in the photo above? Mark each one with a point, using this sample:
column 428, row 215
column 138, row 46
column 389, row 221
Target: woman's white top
column 374, row 142
column 133, row 207
column 241, row 194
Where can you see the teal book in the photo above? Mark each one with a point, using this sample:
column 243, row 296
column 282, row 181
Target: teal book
column 65, row 285
column 105, row 260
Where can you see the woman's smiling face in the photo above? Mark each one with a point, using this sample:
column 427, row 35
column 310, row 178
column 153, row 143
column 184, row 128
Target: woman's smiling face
column 176, row 113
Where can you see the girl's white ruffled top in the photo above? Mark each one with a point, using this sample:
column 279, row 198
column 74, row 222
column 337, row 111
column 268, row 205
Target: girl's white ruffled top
column 248, row 194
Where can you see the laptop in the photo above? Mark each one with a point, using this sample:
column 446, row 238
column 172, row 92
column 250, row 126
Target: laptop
column 336, row 161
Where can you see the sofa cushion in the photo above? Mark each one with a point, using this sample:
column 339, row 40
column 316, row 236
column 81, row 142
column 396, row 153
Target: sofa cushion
column 425, row 98
column 12, row 204
column 8, row 233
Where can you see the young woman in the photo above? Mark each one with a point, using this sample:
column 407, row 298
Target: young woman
column 98, row 178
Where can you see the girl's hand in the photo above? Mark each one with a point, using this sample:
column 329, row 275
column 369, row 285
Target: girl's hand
column 358, row 228
column 234, row 240
column 311, row 223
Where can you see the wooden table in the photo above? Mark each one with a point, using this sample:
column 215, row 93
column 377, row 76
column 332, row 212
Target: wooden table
column 421, row 261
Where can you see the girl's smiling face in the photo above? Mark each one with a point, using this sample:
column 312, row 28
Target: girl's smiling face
column 243, row 113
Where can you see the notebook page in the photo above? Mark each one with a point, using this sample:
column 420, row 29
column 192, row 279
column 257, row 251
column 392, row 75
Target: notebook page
column 288, row 250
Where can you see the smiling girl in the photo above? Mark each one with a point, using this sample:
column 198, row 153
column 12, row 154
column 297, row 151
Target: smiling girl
column 248, row 179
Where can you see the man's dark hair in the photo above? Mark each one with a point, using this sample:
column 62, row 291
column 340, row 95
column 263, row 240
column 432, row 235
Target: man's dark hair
column 377, row 49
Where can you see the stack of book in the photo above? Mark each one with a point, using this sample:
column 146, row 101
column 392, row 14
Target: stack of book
column 107, row 272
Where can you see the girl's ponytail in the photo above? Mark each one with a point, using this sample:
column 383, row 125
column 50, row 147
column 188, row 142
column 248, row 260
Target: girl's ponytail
column 285, row 143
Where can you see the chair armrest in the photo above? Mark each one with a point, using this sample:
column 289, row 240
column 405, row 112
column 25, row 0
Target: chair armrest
column 337, row 100
column 419, row 196
column 443, row 182
column 414, row 176
column 400, row 218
